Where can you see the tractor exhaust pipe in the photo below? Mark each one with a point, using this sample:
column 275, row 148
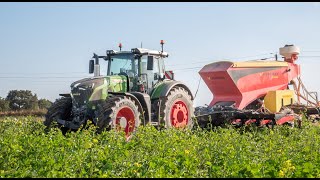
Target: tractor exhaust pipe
column 96, row 70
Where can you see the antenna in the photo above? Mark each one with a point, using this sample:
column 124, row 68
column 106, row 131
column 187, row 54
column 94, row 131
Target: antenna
column 141, row 44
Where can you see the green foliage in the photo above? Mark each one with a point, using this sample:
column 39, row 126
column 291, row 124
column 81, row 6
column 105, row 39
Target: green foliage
column 4, row 105
column 19, row 100
column 22, row 99
column 27, row 151
column 44, row 103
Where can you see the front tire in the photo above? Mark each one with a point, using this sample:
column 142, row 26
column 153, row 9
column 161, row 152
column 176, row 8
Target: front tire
column 60, row 109
column 120, row 113
column 177, row 109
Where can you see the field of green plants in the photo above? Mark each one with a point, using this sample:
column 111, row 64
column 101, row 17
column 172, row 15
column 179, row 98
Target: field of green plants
column 27, row 151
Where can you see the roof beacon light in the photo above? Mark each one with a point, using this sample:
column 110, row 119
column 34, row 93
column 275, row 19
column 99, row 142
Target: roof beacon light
column 162, row 43
column 120, row 46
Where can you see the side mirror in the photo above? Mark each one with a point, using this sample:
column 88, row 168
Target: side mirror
column 150, row 63
column 91, row 66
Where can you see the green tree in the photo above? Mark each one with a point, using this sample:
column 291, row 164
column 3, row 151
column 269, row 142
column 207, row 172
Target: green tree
column 4, row 105
column 22, row 99
column 44, row 103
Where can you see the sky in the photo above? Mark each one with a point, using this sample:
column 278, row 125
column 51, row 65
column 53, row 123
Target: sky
column 46, row 46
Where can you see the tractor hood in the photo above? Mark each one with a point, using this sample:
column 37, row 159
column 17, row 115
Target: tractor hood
column 97, row 88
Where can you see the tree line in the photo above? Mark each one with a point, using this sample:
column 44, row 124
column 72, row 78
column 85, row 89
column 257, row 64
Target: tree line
column 17, row 100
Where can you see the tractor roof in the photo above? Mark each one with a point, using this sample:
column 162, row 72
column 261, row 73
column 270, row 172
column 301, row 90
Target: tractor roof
column 141, row 51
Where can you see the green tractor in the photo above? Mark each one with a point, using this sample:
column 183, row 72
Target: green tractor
column 136, row 91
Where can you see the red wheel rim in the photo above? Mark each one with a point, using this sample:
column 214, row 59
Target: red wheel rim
column 125, row 120
column 179, row 114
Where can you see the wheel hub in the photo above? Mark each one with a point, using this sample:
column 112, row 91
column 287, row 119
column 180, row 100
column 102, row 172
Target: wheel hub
column 125, row 120
column 179, row 114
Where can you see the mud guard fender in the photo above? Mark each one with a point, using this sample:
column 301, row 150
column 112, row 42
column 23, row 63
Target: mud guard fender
column 65, row 95
column 145, row 102
column 163, row 89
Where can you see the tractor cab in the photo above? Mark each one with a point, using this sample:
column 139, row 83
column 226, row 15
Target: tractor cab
column 142, row 67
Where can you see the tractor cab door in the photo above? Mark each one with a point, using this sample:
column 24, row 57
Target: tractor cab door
column 152, row 71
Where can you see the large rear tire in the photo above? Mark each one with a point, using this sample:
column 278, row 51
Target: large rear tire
column 60, row 109
column 177, row 109
column 120, row 113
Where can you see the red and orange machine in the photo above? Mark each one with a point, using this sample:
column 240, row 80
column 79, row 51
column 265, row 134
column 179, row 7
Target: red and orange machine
column 258, row 91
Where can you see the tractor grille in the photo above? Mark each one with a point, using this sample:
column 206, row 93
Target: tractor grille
column 81, row 95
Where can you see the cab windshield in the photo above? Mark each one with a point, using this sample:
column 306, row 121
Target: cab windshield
column 124, row 63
